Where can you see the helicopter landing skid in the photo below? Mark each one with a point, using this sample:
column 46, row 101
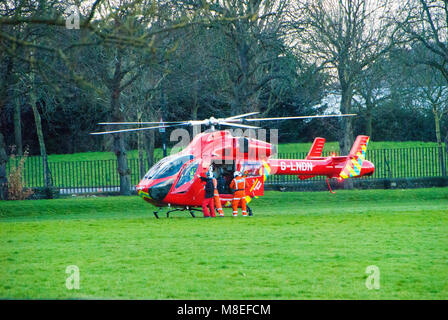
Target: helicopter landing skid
column 178, row 209
column 156, row 213
column 194, row 209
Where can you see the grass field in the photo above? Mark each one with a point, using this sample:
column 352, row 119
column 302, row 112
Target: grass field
column 297, row 246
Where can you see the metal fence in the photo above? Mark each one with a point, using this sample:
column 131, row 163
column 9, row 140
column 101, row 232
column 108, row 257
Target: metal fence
column 102, row 175
column 419, row 162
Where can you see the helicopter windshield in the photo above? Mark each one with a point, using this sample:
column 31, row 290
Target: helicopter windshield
column 167, row 167
column 188, row 174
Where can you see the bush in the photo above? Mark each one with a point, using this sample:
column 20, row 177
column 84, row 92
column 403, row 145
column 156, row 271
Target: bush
column 16, row 191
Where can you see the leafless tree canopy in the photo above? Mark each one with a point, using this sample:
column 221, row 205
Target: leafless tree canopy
column 140, row 60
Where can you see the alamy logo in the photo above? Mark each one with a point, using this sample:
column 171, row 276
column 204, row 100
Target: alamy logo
column 72, row 281
column 72, row 21
column 373, row 280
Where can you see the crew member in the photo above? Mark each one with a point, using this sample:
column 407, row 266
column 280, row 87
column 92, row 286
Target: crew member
column 208, row 201
column 238, row 185
column 217, row 198
column 222, row 185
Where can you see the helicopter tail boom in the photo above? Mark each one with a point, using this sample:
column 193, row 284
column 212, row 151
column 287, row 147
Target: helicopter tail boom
column 353, row 165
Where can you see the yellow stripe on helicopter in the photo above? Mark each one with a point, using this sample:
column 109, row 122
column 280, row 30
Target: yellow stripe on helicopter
column 354, row 165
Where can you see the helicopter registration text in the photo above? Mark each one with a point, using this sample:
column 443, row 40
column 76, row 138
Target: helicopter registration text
column 296, row 165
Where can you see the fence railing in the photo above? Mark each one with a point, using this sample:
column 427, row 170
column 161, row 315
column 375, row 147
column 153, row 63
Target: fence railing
column 418, row 162
column 102, row 175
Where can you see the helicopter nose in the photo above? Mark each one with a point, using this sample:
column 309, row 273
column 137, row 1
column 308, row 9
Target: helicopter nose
column 142, row 190
column 367, row 169
column 160, row 190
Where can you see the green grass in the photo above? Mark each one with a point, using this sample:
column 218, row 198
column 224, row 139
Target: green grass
column 297, row 246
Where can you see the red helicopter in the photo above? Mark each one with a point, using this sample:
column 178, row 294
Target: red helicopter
column 174, row 181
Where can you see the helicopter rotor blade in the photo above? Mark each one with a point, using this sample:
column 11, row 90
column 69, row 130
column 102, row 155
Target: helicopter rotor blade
column 235, row 121
column 137, row 129
column 137, row 123
column 241, row 116
column 224, row 123
column 300, row 117
column 196, row 122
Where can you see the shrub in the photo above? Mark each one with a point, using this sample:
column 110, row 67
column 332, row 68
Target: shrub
column 16, row 191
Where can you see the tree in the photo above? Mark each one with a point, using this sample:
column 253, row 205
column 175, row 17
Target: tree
column 344, row 37
column 127, row 32
column 373, row 89
column 3, row 175
column 431, row 91
column 425, row 22
column 122, row 66
column 242, row 53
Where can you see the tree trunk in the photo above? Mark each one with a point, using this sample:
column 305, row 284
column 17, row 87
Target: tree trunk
column 122, row 164
column 195, row 107
column 40, row 137
column 235, row 107
column 38, row 121
column 369, row 125
column 439, row 142
column 118, row 139
column 149, row 147
column 194, row 113
column 3, row 175
column 18, row 127
column 446, row 149
column 3, row 154
column 446, row 143
column 140, row 147
column 141, row 160
column 240, row 83
column 369, row 107
column 346, row 139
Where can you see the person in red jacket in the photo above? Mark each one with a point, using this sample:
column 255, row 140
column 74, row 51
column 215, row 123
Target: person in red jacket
column 208, row 202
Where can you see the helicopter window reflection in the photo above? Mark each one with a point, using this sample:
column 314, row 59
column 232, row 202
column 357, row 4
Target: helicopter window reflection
column 251, row 168
column 155, row 168
column 167, row 167
column 188, row 174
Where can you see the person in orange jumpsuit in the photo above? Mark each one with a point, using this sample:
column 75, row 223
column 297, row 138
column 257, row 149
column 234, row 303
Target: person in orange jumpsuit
column 217, row 198
column 238, row 185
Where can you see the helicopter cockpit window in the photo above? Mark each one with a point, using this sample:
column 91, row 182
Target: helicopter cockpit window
column 154, row 169
column 188, row 174
column 167, row 167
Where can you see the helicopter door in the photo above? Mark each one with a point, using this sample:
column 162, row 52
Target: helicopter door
column 254, row 180
column 186, row 177
column 223, row 171
column 254, row 186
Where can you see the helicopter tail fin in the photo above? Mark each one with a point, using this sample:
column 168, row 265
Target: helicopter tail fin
column 355, row 158
column 315, row 152
column 316, row 148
